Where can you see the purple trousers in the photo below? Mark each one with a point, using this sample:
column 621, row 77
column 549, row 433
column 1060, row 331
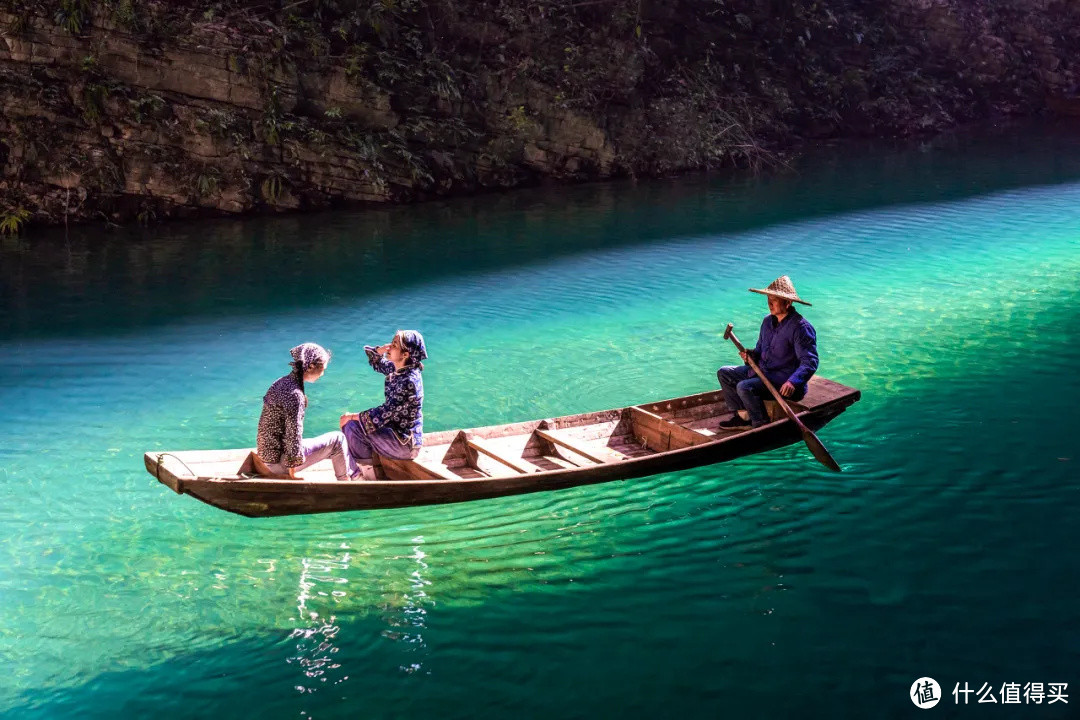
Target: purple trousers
column 383, row 441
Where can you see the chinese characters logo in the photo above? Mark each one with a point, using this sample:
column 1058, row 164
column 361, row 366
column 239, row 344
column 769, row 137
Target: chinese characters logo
column 925, row 693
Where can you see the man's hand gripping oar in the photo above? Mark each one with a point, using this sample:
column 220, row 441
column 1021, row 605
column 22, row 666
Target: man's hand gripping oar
column 808, row 435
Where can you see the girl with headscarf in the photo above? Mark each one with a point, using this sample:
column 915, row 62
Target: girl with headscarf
column 395, row 428
column 281, row 444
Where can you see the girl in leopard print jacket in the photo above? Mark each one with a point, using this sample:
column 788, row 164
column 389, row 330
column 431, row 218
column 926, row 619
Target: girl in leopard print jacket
column 280, row 442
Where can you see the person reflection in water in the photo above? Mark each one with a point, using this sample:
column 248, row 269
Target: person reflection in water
column 395, row 428
column 281, row 445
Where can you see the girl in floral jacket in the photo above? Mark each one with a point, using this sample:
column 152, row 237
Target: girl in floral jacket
column 395, row 428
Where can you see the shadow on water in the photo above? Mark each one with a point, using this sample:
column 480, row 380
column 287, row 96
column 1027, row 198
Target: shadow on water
column 97, row 281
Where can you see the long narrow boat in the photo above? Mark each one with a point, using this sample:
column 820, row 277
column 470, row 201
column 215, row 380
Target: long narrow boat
column 497, row 460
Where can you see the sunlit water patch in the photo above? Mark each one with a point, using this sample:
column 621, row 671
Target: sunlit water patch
column 942, row 550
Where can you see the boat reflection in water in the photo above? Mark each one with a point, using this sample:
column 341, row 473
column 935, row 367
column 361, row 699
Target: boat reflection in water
column 405, row 609
column 322, row 584
column 322, row 601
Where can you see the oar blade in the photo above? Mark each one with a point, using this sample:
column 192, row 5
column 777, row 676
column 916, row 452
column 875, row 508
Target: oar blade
column 818, row 450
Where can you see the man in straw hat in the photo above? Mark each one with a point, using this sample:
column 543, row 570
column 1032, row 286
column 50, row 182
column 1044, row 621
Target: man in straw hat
column 786, row 352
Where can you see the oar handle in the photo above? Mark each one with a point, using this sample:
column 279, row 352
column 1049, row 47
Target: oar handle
column 728, row 335
column 818, row 448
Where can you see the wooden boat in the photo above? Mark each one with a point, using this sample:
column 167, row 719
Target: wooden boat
column 497, row 460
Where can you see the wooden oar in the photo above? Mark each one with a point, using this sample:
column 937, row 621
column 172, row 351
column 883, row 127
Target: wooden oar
column 808, row 435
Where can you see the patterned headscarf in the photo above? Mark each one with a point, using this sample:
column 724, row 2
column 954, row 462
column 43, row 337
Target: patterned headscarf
column 413, row 343
column 310, row 354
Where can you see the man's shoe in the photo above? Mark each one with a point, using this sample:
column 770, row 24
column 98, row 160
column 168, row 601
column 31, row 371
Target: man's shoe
column 735, row 423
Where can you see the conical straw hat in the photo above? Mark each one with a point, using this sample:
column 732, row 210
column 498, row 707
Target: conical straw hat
column 782, row 287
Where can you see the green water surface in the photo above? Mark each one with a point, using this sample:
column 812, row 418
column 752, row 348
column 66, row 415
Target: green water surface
column 944, row 282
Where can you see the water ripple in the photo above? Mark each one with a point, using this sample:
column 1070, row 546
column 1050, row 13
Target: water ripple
column 682, row 589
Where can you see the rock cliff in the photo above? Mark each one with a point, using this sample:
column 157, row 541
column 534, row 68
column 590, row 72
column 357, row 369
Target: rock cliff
column 127, row 110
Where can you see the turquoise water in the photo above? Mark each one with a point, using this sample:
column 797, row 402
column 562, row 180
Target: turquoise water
column 944, row 280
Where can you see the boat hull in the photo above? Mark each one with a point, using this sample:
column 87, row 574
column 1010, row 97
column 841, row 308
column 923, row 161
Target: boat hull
column 268, row 498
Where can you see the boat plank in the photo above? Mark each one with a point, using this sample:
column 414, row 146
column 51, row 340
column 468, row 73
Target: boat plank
column 820, row 391
column 416, row 468
column 595, row 431
column 685, row 405
column 467, row 472
column 552, row 462
column 592, row 453
column 695, row 412
column 629, row 447
column 202, row 456
column 591, row 418
column 661, row 434
column 481, row 446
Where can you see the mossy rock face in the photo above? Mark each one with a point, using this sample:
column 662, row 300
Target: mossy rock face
column 191, row 107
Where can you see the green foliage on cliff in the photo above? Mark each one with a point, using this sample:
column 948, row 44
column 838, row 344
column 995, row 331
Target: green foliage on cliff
column 12, row 220
column 414, row 98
